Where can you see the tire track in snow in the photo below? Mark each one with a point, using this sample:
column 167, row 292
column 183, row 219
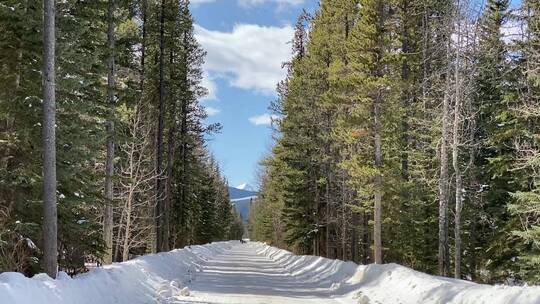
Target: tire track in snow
column 241, row 275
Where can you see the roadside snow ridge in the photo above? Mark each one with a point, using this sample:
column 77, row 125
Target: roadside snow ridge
column 230, row 272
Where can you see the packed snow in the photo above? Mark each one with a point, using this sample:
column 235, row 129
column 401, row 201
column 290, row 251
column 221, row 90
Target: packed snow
column 230, row 272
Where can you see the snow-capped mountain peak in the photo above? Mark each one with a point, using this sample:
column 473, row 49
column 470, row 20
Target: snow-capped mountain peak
column 245, row 186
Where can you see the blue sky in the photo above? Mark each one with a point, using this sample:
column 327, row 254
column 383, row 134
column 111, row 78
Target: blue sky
column 246, row 41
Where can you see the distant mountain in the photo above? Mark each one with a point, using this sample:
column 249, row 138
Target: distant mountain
column 245, row 186
column 236, row 193
column 242, row 199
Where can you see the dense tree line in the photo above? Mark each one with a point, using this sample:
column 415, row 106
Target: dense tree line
column 399, row 119
column 129, row 172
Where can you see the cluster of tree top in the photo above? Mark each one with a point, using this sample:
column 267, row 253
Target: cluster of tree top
column 111, row 162
column 402, row 118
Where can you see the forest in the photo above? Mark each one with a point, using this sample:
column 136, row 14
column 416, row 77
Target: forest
column 103, row 143
column 404, row 132
column 408, row 132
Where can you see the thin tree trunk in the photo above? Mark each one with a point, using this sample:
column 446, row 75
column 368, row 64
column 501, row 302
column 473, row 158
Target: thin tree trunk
column 328, row 217
column 20, row 48
column 183, row 179
column 457, row 229
column 127, row 206
column 344, row 221
column 377, row 229
column 366, row 240
column 378, row 180
column 316, row 238
column 444, row 250
column 143, row 47
column 159, row 136
column 109, row 165
column 50, row 242
column 169, row 169
column 473, row 183
column 151, row 240
column 127, row 234
column 116, row 255
column 168, row 190
column 455, row 159
column 405, row 77
column 354, row 238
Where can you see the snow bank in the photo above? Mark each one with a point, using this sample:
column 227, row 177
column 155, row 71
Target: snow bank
column 156, row 278
column 392, row 283
column 166, row 278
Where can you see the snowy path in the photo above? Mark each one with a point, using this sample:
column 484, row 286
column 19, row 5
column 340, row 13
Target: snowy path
column 253, row 273
column 241, row 275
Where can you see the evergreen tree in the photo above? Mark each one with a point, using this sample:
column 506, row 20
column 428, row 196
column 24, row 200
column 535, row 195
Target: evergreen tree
column 295, row 150
column 526, row 199
column 371, row 105
column 492, row 177
column 83, row 53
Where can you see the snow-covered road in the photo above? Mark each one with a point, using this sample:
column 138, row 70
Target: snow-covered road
column 253, row 273
column 243, row 275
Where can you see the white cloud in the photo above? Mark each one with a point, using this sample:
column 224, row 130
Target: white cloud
column 211, row 111
column 265, row 119
column 197, row 2
column 281, row 3
column 211, row 86
column 249, row 57
column 250, row 3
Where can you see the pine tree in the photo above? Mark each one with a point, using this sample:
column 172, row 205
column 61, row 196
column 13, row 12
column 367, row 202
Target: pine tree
column 491, row 176
column 82, row 62
column 370, row 105
column 265, row 221
column 328, row 48
column 527, row 200
column 295, row 149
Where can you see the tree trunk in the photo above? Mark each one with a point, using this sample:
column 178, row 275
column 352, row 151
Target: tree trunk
column 109, row 164
column 444, row 250
column 455, row 159
column 377, row 144
column 473, row 183
column 169, row 169
column 159, row 136
column 317, row 212
column 143, row 47
column 457, row 229
column 168, row 190
column 405, row 77
column 344, row 221
column 151, row 239
column 366, row 240
column 354, row 238
column 183, row 176
column 50, row 242
column 20, row 48
column 127, row 233
column 328, row 216
column 116, row 254
column 443, row 196
column 377, row 228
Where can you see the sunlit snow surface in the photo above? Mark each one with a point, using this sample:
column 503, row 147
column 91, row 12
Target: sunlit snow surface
column 230, row 272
